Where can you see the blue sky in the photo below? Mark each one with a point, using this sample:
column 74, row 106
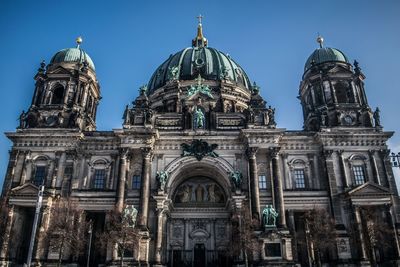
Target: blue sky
column 127, row 40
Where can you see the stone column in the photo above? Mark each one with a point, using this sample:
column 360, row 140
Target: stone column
column 255, row 193
column 374, row 166
column 122, row 181
column 160, row 231
column 7, row 233
column 145, row 194
column 278, row 188
column 393, row 225
column 317, row 177
column 343, row 169
column 60, row 170
column 332, row 186
column 19, row 167
column 363, row 248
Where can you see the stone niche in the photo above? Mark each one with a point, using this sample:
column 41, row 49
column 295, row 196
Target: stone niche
column 276, row 247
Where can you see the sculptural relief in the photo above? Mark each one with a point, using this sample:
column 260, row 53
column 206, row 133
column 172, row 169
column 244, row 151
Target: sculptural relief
column 199, row 190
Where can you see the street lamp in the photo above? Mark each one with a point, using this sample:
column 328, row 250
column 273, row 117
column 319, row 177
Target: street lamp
column 35, row 225
column 395, row 159
column 90, row 232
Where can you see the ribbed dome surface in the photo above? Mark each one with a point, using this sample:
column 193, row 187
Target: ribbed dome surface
column 72, row 55
column 325, row 54
column 209, row 62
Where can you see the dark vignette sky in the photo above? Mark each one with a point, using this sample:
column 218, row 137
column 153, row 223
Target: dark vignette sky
column 127, row 40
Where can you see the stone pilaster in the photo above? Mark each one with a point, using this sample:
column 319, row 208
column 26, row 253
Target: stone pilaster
column 145, row 194
column 255, row 193
column 122, row 180
column 278, row 187
column 332, row 185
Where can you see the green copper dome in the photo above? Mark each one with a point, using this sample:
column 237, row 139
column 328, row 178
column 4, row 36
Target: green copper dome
column 325, row 54
column 71, row 55
column 187, row 64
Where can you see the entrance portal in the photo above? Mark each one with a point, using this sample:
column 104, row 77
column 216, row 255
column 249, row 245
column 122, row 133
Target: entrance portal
column 199, row 257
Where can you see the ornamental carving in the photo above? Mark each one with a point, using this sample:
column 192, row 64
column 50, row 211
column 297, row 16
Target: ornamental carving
column 199, row 149
column 199, row 190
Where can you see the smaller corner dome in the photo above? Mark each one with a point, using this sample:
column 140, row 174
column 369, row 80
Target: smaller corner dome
column 71, row 55
column 325, row 54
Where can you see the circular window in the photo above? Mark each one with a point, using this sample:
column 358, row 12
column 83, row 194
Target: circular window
column 199, row 62
column 348, row 120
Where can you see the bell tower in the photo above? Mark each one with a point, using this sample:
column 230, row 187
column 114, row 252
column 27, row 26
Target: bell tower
column 332, row 92
column 66, row 92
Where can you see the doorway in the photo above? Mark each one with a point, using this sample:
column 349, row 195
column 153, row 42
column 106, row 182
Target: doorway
column 199, row 257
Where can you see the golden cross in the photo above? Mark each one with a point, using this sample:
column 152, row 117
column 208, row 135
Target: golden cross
column 199, row 17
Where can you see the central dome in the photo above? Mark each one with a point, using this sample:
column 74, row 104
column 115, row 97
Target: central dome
column 187, row 64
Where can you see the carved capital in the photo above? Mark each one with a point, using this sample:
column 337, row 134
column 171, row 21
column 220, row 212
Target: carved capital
column 147, row 152
column 251, row 152
column 124, row 152
column 328, row 153
column 274, row 152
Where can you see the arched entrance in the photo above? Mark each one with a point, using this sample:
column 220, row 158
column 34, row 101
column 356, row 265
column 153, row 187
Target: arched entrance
column 198, row 228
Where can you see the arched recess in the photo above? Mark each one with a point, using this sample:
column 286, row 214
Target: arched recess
column 58, row 94
column 186, row 167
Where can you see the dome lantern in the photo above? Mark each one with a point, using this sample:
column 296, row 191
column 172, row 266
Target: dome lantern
column 199, row 40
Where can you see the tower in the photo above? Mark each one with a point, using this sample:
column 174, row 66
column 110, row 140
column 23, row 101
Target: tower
column 66, row 92
column 332, row 92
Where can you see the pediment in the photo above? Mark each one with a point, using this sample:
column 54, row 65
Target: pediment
column 60, row 70
column 339, row 68
column 368, row 189
column 25, row 189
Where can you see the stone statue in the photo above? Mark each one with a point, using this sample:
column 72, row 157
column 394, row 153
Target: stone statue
column 162, row 178
column 173, row 73
column 269, row 216
column 199, row 119
column 126, row 116
column 129, row 216
column 236, row 178
column 377, row 117
column 22, row 119
column 143, row 89
column 271, row 115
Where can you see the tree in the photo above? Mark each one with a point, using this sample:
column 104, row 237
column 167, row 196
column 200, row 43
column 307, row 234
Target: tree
column 320, row 233
column 121, row 233
column 378, row 232
column 3, row 217
column 67, row 228
column 243, row 239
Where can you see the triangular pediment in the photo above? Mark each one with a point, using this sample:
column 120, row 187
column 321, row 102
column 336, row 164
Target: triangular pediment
column 339, row 68
column 60, row 70
column 25, row 189
column 368, row 189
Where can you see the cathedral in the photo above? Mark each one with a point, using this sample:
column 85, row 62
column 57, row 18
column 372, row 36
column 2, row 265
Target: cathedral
column 198, row 149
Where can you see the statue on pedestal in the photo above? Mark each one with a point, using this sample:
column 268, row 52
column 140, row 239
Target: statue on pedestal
column 269, row 216
column 162, row 178
column 129, row 216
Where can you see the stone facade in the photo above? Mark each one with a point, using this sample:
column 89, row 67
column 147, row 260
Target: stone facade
column 198, row 144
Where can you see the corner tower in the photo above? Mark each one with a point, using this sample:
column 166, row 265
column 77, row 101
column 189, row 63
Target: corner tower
column 332, row 92
column 66, row 92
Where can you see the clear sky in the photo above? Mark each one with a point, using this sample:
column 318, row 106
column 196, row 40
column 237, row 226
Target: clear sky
column 127, row 40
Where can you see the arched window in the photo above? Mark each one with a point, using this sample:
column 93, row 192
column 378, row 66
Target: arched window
column 298, row 171
column 58, row 95
column 100, row 172
column 39, row 171
column 358, row 169
column 343, row 93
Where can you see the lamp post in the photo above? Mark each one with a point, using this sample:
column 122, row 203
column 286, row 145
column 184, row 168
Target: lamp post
column 90, row 231
column 395, row 159
column 35, row 224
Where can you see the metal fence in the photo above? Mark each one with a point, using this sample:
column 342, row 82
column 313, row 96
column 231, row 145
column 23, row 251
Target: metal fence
column 189, row 258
